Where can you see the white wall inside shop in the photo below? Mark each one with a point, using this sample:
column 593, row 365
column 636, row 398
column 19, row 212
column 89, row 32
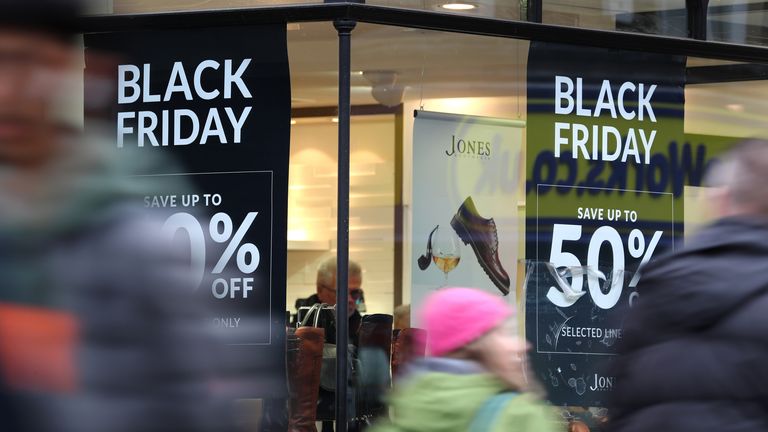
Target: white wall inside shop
column 312, row 205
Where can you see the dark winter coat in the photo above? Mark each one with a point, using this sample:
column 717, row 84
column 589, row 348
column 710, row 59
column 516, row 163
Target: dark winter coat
column 84, row 246
column 695, row 350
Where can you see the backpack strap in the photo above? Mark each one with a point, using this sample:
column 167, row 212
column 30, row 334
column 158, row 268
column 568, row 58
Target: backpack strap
column 488, row 413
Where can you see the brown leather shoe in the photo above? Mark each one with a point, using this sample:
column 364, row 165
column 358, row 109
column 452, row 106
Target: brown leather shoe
column 480, row 233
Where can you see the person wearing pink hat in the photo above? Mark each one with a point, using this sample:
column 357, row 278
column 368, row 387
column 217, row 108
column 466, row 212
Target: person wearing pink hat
column 474, row 378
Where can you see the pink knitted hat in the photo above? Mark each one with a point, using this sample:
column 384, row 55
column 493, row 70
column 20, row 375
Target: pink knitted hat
column 454, row 317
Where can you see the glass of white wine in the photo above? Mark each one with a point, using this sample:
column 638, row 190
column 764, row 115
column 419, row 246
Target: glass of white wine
column 446, row 249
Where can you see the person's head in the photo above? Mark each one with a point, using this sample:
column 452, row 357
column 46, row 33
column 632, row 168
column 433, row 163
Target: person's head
column 736, row 178
column 470, row 324
column 37, row 52
column 402, row 316
column 326, row 283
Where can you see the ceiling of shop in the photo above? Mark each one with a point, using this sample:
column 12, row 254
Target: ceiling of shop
column 430, row 65
column 424, row 63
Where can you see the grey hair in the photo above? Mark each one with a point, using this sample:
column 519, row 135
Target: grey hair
column 402, row 311
column 326, row 273
column 742, row 172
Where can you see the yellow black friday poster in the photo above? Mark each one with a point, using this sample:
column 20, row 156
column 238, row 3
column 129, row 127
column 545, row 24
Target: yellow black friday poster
column 606, row 166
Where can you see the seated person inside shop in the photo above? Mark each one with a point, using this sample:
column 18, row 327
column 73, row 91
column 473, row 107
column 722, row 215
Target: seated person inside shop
column 326, row 293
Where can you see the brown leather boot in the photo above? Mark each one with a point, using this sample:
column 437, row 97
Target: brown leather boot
column 305, row 356
column 409, row 344
column 394, row 360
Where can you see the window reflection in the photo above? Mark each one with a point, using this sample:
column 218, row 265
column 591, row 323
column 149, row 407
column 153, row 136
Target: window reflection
column 741, row 21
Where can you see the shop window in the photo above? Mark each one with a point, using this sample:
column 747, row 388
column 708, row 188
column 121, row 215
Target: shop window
column 147, row 6
column 313, row 172
column 312, row 207
column 662, row 17
column 719, row 112
column 400, row 66
column 501, row 9
column 738, row 21
column 395, row 65
column 398, row 71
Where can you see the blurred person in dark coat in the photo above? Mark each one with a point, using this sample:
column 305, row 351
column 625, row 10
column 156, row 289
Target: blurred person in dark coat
column 695, row 345
column 99, row 330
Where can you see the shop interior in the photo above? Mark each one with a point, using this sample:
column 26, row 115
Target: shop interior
column 398, row 70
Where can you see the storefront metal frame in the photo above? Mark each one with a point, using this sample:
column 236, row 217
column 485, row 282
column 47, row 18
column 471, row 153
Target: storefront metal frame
column 427, row 20
column 345, row 15
column 344, row 27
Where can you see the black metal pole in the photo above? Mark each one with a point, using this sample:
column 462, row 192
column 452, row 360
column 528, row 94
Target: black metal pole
column 344, row 28
column 697, row 18
column 534, row 10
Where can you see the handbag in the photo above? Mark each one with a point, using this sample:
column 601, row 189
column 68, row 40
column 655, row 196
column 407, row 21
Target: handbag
column 328, row 369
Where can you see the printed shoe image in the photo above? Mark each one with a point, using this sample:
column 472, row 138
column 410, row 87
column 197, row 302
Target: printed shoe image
column 480, row 233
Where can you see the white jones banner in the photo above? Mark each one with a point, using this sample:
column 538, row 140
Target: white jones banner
column 466, row 186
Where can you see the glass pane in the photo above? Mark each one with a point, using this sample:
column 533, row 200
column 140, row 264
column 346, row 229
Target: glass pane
column 722, row 106
column 709, row 112
column 148, row 6
column 720, row 111
column 312, row 201
column 313, row 210
column 501, row 9
column 313, row 55
column 663, row 17
column 454, row 74
column 738, row 21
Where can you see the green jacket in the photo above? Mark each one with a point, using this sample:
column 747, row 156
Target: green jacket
column 448, row 401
